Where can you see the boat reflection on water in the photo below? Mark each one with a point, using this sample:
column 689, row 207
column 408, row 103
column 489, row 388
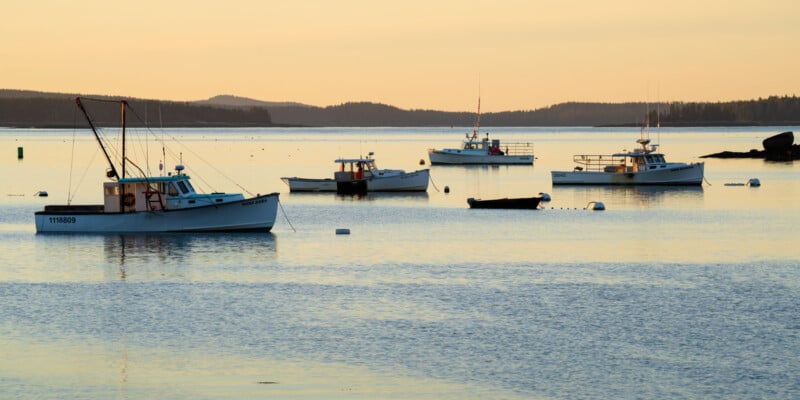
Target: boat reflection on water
column 618, row 197
column 385, row 196
column 370, row 196
column 168, row 255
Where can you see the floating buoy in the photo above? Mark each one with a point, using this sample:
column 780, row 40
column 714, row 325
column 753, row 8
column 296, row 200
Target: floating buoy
column 421, row 161
column 754, row 182
column 342, row 231
column 447, row 189
column 595, row 206
column 19, row 153
column 545, row 196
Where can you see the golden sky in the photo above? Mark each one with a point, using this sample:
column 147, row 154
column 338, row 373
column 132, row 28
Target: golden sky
column 413, row 54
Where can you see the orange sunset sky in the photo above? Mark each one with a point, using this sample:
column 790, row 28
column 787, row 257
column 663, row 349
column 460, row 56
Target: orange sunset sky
column 412, row 54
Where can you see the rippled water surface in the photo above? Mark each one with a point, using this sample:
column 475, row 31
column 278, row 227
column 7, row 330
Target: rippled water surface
column 668, row 293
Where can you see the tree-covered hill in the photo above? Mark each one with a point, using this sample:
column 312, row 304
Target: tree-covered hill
column 38, row 109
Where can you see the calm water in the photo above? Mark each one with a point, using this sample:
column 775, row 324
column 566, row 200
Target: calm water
column 669, row 293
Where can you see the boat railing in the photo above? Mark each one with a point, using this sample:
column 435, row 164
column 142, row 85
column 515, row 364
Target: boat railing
column 603, row 163
column 517, row 149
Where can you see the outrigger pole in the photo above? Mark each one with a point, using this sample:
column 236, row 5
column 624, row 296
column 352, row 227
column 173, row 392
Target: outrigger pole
column 114, row 173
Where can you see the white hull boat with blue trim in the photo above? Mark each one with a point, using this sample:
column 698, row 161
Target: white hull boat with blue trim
column 158, row 204
column 643, row 166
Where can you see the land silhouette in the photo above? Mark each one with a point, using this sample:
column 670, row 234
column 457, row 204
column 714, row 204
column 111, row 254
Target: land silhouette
column 32, row 109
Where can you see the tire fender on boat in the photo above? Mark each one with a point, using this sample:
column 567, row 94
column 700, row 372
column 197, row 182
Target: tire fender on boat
column 129, row 199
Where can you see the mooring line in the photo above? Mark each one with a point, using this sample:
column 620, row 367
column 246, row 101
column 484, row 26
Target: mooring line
column 280, row 204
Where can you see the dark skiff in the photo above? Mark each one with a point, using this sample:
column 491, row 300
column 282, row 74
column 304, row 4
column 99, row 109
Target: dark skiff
column 525, row 203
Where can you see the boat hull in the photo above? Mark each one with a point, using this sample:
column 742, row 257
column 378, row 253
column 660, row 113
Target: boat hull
column 310, row 185
column 524, row 203
column 416, row 181
column 686, row 174
column 253, row 214
column 457, row 157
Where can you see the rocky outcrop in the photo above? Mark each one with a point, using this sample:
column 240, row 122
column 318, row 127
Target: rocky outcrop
column 780, row 147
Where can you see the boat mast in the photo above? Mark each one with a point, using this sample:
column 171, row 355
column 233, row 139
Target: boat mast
column 477, row 120
column 122, row 105
column 114, row 173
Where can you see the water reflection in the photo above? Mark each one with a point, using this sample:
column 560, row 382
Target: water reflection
column 370, row 196
column 380, row 196
column 628, row 196
column 166, row 255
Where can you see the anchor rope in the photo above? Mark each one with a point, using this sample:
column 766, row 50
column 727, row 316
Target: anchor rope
column 432, row 182
column 280, row 204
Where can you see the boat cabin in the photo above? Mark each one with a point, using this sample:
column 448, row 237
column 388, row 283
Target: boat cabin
column 157, row 193
column 638, row 160
column 484, row 146
column 355, row 168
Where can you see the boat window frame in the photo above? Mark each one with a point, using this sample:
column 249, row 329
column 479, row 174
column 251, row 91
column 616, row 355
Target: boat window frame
column 182, row 187
column 173, row 190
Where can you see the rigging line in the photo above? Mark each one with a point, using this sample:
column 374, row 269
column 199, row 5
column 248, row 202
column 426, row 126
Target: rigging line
column 136, row 114
column 85, row 171
column 72, row 154
column 434, row 183
column 99, row 100
column 280, row 203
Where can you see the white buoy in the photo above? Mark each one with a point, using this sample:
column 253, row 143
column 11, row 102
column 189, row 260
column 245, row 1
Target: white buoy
column 754, row 182
column 342, row 231
column 595, row 206
column 545, row 196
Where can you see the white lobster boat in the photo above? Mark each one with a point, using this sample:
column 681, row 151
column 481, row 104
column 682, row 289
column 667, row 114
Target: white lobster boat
column 158, row 204
column 642, row 166
column 483, row 152
column 362, row 175
column 474, row 151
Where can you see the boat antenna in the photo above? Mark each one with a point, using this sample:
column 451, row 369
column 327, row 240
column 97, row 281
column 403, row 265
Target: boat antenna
column 658, row 114
column 477, row 118
column 113, row 173
column 163, row 149
column 122, row 105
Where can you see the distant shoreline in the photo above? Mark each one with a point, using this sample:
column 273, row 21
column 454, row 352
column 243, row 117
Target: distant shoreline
column 27, row 109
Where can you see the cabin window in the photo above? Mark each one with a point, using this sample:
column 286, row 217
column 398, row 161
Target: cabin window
column 189, row 185
column 173, row 191
column 182, row 186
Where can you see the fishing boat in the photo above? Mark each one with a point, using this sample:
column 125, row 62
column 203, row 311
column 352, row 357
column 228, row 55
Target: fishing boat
column 483, row 151
column 526, row 203
column 156, row 203
column 642, row 166
column 358, row 175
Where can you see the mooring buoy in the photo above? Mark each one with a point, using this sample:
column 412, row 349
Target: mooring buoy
column 545, row 196
column 595, row 206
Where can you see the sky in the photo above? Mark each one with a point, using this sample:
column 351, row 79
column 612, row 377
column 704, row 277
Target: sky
column 412, row 54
